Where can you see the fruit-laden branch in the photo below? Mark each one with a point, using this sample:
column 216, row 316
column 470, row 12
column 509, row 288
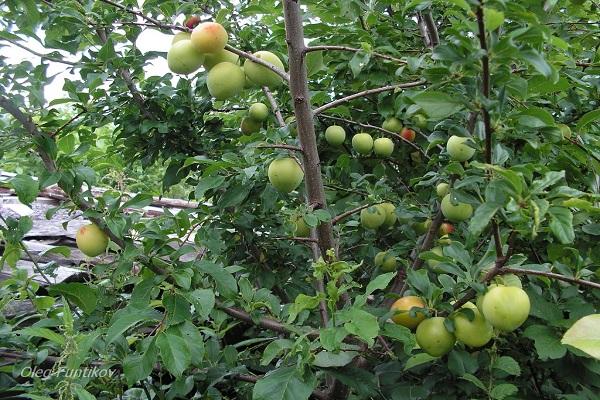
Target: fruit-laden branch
column 399, row 285
column 377, row 128
column 169, row 27
column 354, row 50
column 280, row 146
column 274, row 106
column 368, row 92
column 346, row 214
column 550, row 275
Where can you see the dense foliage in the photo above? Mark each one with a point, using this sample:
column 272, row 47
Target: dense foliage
column 220, row 301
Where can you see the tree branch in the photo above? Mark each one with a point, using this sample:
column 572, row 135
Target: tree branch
column 63, row 126
column 43, row 56
column 280, row 146
column 368, row 92
column 274, row 106
column 346, row 214
column 282, row 74
column 551, row 275
column 432, row 31
column 355, row 50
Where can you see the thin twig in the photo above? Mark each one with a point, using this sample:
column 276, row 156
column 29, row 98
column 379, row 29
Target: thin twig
column 346, row 214
column 43, row 56
column 56, row 132
column 280, row 146
column 274, row 106
column 355, row 50
column 551, row 275
column 364, row 93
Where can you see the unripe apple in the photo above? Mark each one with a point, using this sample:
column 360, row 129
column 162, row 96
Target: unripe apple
column 444, row 240
column 209, row 37
column 249, row 125
column 180, row 36
column 420, row 121
column 506, row 307
column 91, row 240
column 212, row 59
column 431, row 263
column 474, row 333
column 362, row 143
column 383, row 147
column 408, row 134
column 372, row 217
column 392, row 124
column 285, row 174
column 442, row 189
column 455, row 213
column 335, row 135
column 390, row 214
column 433, row 337
column 301, row 228
column 192, row 21
column 402, row 308
column 258, row 112
column 182, row 58
column 445, row 229
column 565, row 130
column 261, row 75
column 386, row 262
column 225, row 80
column 458, row 150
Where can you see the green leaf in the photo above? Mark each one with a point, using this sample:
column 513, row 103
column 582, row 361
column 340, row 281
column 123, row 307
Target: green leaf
column 203, row 301
column 481, row 218
column 327, row 359
column 314, row 62
column 547, row 343
column 138, row 201
column 42, row 332
column 84, row 296
column 493, row 18
column 26, row 188
column 177, row 308
column 438, row 105
column 359, row 61
column 538, row 61
column 418, row 359
column 587, row 119
column 128, row 317
column 283, row 384
column 503, row 390
column 508, row 365
column 550, row 178
column 273, row 349
column 137, row 367
column 474, row 380
column 585, row 335
column 174, row 352
column 226, row 283
column 360, row 323
column 401, row 334
column 82, row 394
column 380, row 282
column 208, row 183
column 561, row 224
column 302, row 302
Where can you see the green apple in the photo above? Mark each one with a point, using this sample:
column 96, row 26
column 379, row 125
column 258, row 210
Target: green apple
column 362, row 143
column 180, row 36
column 225, row 80
column 390, row 214
column 458, row 150
column 91, row 240
column 383, row 147
column 301, row 228
column 474, row 333
column 335, row 135
column 182, row 58
column 261, row 75
column 442, row 189
column 420, row 121
column 249, row 126
column 506, row 307
column 372, row 217
column 433, row 337
column 209, row 37
column 455, row 213
column 285, row 174
column 258, row 112
column 422, row 227
column 434, row 263
column 212, row 59
column 386, row 262
column 392, row 124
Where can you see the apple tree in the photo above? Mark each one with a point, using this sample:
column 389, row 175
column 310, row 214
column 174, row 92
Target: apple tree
column 393, row 200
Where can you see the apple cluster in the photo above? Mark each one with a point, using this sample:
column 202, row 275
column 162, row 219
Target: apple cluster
column 503, row 308
column 205, row 46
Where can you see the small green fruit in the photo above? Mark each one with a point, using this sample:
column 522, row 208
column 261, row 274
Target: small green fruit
column 258, row 112
column 474, row 333
column 386, row 262
column 383, row 147
column 420, row 121
column 433, row 337
column 182, row 58
column 225, row 80
column 335, row 135
column 372, row 217
column 362, row 143
column 301, row 228
column 565, row 130
column 209, row 37
column 285, row 174
column 212, row 59
column 431, row 263
column 180, row 36
column 458, row 150
column 392, row 124
column 249, row 126
column 506, row 307
column 261, row 75
column 390, row 214
column 442, row 189
column 91, row 240
column 455, row 213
